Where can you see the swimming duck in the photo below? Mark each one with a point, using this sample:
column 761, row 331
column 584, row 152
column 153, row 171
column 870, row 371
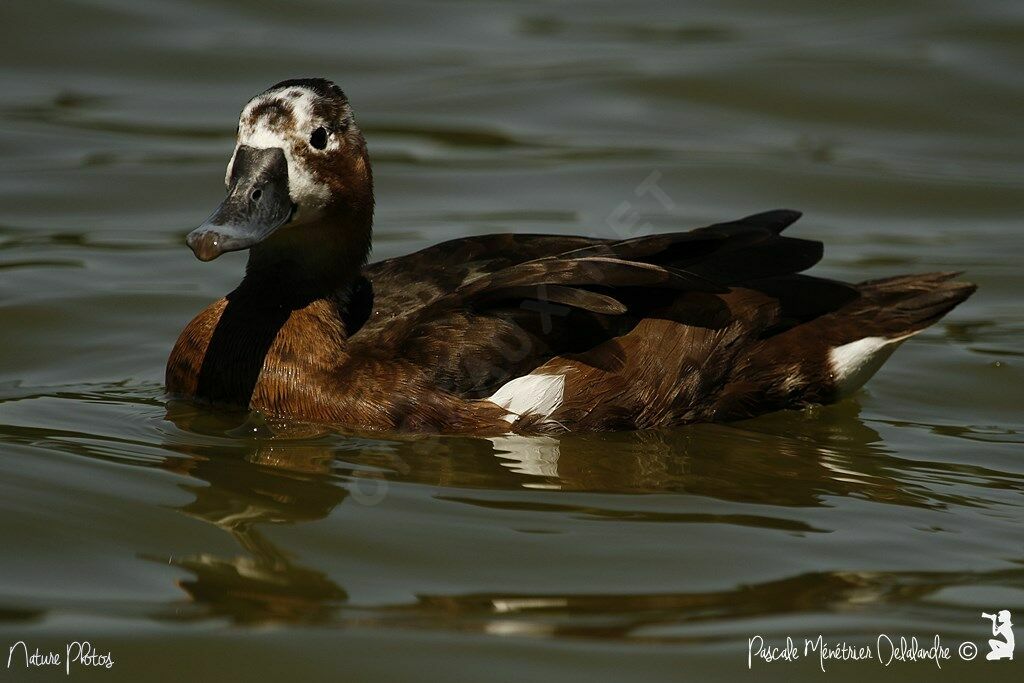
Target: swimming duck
column 510, row 332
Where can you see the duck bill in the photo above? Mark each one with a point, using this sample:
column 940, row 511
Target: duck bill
column 256, row 206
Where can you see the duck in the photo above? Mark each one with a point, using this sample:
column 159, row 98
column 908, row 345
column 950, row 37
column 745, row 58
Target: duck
column 510, row 333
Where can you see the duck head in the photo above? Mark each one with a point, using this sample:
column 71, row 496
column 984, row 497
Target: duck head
column 299, row 185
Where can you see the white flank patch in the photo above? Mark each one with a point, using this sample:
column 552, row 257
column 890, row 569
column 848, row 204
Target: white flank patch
column 853, row 364
column 530, row 395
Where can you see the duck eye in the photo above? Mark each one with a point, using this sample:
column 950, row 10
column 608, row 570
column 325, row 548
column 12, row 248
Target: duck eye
column 319, row 138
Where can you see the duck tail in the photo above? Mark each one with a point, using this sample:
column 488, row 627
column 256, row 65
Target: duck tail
column 906, row 304
column 890, row 311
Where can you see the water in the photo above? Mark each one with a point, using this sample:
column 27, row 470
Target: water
column 223, row 548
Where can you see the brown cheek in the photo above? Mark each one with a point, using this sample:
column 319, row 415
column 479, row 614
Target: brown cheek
column 319, row 165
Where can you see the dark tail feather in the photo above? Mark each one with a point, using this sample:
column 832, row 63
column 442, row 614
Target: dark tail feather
column 909, row 303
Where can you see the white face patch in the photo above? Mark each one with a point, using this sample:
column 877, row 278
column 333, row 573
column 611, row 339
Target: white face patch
column 309, row 193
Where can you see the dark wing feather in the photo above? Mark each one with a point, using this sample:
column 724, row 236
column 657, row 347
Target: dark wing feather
column 464, row 303
column 678, row 248
column 749, row 248
column 402, row 285
column 582, row 299
column 768, row 258
column 567, row 273
column 594, row 271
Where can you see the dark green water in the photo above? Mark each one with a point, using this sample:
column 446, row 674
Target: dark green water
column 203, row 547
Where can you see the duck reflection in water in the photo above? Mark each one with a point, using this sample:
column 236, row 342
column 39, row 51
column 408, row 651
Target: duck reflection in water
column 269, row 484
column 292, row 473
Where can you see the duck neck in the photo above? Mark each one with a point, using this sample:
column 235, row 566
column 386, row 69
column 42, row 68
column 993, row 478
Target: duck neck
column 321, row 259
column 307, row 263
